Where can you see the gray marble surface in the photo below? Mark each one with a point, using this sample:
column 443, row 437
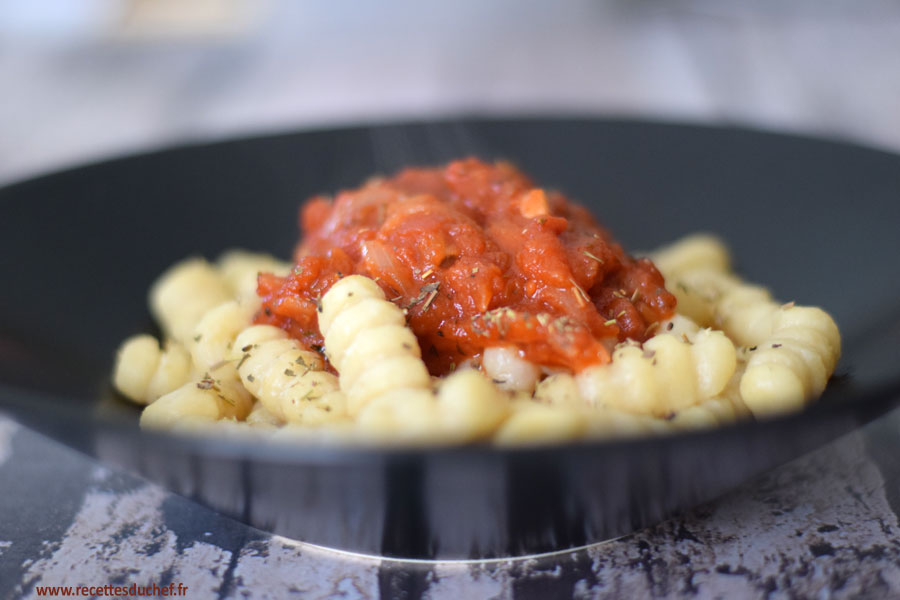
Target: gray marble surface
column 823, row 526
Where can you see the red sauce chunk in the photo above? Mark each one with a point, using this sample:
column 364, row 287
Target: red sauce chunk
column 479, row 257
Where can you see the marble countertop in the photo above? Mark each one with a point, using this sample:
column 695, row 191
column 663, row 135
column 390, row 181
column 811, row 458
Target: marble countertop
column 823, row 526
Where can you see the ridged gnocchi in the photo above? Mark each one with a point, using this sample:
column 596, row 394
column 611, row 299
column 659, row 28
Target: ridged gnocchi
column 217, row 395
column 793, row 364
column 214, row 334
column 184, row 293
column 288, row 381
column 790, row 351
column 730, row 352
column 144, row 371
column 240, row 269
column 368, row 342
column 664, row 376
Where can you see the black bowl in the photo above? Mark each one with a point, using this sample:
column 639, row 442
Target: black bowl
column 816, row 221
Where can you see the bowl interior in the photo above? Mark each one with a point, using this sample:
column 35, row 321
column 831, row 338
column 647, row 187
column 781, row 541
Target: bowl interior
column 814, row 221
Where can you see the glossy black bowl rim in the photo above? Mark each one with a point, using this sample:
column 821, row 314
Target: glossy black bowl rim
column 574, row 118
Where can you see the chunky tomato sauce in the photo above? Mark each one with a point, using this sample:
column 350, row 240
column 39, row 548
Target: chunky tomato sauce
column 479, row 257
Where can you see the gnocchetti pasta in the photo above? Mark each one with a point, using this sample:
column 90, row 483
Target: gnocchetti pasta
column 464, row 304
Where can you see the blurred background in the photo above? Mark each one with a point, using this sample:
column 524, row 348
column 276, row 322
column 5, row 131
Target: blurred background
column 86, row 79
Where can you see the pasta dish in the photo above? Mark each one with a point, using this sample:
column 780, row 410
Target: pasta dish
column 461, row 304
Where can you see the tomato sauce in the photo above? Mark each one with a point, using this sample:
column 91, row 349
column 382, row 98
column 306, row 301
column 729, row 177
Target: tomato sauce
column 479, row 257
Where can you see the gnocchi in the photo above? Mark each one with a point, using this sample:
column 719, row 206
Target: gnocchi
column 729, row 352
